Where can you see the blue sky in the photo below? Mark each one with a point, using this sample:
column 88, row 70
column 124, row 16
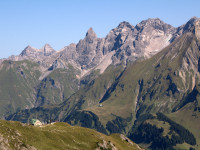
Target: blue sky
column 61, row 22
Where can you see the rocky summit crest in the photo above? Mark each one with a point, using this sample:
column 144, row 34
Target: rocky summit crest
column 125, row 24
column 191, row 24
column 91, row 33
column 155, row 23
column 47, row 50
column 123, row 44
column 29, row 51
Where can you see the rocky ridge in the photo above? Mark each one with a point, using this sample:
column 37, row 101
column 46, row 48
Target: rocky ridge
column 122, row 44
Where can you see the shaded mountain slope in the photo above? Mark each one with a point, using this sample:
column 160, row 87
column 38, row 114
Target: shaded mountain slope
column 157, row 131
column 57, row 86
column 88, row 96
column 17, row 80
column 21, row 87
column 188, row 117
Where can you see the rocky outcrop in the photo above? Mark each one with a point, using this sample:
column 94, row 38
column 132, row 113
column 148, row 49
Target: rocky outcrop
column 4, row 143
column 7, row 143
column 106, row 146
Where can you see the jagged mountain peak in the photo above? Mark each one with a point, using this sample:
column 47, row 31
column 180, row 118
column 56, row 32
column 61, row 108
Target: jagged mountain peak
column 129, row 43
column 155, row 23
column 91, row 33
column 29, row 47
column 190, row 23
column 47, row 50
column 154, row 20
column 150, row 21
column 47, row 45
column 28, row 50
column 193, row 25
column 125, row 24
column 194, row 18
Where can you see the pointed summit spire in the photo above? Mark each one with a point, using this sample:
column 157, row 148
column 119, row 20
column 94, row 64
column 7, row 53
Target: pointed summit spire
column 47, row 50
column 28, row 47
column 47, row 45
column 194, row 18
column 193, row 25
column 91, row 33
column 28, row 51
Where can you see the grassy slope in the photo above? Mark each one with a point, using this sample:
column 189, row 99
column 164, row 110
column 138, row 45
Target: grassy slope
column 57, row 136
column 17, row 80
column 21, row 88
column 94, row 91
column 85, row 98
column 184, row 118
column 190, row 119
column 58, row 86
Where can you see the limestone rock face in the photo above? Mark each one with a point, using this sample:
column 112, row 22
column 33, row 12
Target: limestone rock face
column 30, row 52
column 86, row 54
column 122, row 44
column 197, row 28
column 192, row 25
column 86, row 48
column 144, row 40
column 128, row 43
column 44, row 56
column 153, row 35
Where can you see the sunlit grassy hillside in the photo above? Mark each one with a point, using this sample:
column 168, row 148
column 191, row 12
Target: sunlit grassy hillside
column 59, row 136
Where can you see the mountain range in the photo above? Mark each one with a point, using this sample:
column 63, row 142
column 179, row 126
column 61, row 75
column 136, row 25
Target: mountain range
column 137, row 77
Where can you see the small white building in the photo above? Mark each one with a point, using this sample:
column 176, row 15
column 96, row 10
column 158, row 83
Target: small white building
column 36, row 122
